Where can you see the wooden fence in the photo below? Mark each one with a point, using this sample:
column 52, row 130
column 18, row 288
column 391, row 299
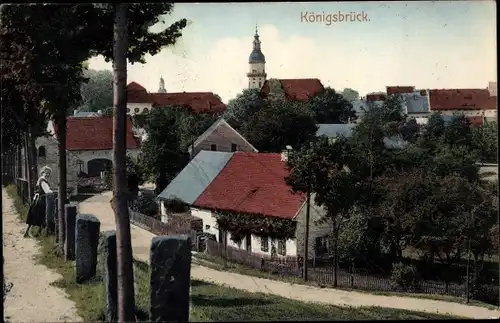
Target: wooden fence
column 160, row 228
column 324, row 275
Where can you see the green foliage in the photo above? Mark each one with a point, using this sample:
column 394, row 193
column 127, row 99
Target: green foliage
column 242, row 224
column 192, row 125
column 405, row 276
column 97, row 92
column 331, row 107
column 135, row 176
column 359, row 239
column 243, row 107
column 350, row 94
column 147, row 205
column 108, row 112
column 161, row 151
column 279, row 123
column 485, row 140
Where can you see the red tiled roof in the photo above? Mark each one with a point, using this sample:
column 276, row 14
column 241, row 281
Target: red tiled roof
column 196, row 101
column 137, row 94
column 376, row 97
column 461, row 99
column 297, row 89
column 399, row 89
column 252, row 183
column 94, row 134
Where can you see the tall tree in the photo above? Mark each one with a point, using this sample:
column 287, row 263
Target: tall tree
column 97, row 92
column 243, row 107
column 162, row 154
column 350, row 94
column 331, row 107
column 279, row 123
column 126, row 302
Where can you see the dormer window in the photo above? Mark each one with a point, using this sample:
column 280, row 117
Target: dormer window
column 213, row 147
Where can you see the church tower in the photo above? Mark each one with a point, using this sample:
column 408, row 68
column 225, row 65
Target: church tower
column 162, row 89
column 257, row 62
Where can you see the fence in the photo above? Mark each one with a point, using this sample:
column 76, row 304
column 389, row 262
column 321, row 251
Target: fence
column 22, row 189
column 160, row 228
column 324, row 275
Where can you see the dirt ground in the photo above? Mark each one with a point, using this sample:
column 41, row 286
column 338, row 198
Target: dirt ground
column 32, row 298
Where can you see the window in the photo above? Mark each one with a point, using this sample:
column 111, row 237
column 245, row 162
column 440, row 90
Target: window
column 234, row 147
column 41, row 151
column 136, row 110
column 213, row 147
column 264, row 244
column 128, row 110
column 321, row 245
column 260, row 84
column 282, row 247
column 146, row 110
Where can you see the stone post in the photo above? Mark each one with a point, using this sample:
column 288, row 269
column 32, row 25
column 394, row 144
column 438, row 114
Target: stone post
column 110, row 275
column 50, row 207
column 69, row 244
column 87, row 242
column 170, row 261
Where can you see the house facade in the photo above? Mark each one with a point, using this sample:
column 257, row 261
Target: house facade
column 220, row 136
column 140, row 101
column 250, row 184
column 89, row 148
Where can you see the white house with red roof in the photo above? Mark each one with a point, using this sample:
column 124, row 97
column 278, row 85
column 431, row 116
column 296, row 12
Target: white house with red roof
column 89, row 145
column 140, row 101
column 252, row 184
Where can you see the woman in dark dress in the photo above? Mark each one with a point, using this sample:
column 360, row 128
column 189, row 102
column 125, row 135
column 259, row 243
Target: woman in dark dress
column 36, row 212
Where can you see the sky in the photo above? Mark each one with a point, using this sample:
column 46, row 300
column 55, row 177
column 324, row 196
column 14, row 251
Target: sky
column 424, row 44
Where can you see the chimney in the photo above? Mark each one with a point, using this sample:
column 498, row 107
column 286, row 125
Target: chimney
column 75, row 112
column 286, row 153
column 99, row 112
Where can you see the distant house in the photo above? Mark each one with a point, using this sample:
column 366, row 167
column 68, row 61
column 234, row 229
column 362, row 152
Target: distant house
column 334, row 131
column 140, row 101
column 89, row 145
column 292, row 89
column 475, row 104
column 252, row 184
column 220, row 136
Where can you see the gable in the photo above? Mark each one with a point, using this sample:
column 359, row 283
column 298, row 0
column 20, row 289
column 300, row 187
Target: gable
column 221, row 132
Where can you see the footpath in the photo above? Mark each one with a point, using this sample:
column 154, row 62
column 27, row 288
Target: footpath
column 141, row 240
column 32, row 298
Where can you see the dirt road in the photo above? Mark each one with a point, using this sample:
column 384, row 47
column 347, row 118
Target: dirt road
column 32, row 297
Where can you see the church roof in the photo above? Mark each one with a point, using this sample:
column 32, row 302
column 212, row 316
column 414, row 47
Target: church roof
column 297, row 89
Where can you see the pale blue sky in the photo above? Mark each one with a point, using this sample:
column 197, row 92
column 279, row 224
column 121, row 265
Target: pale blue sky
column 426, row 44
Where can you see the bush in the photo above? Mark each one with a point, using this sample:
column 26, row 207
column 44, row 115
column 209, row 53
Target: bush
column 405, row 276
column 146, row 204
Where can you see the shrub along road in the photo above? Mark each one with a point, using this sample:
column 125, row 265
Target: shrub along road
column 141, row 241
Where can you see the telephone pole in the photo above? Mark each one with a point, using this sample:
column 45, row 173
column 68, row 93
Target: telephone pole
column 306, row 235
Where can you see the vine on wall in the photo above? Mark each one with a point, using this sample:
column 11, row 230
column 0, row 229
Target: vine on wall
column 240, row 225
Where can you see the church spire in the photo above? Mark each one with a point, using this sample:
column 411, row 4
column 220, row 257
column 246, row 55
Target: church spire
column 257, row 62
column 162, row 89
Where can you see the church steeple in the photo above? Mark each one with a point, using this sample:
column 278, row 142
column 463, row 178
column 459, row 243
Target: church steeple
column 162, row 89
column 257, row 61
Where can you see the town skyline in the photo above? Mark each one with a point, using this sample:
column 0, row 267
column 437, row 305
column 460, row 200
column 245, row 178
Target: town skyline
column 425, row 44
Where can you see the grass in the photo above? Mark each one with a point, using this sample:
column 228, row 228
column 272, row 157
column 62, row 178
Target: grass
column 219, row 264
column 209, row 302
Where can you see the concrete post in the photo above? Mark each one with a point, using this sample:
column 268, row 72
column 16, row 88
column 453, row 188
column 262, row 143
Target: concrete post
column 87, row 241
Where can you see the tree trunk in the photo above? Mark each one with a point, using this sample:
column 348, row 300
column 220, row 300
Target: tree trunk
column 335, row 249
column 28, row 164
column 19, row 164
column 61, row 217
column 126, row 301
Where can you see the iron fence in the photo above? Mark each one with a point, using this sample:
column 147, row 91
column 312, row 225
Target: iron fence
column 324, row 275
